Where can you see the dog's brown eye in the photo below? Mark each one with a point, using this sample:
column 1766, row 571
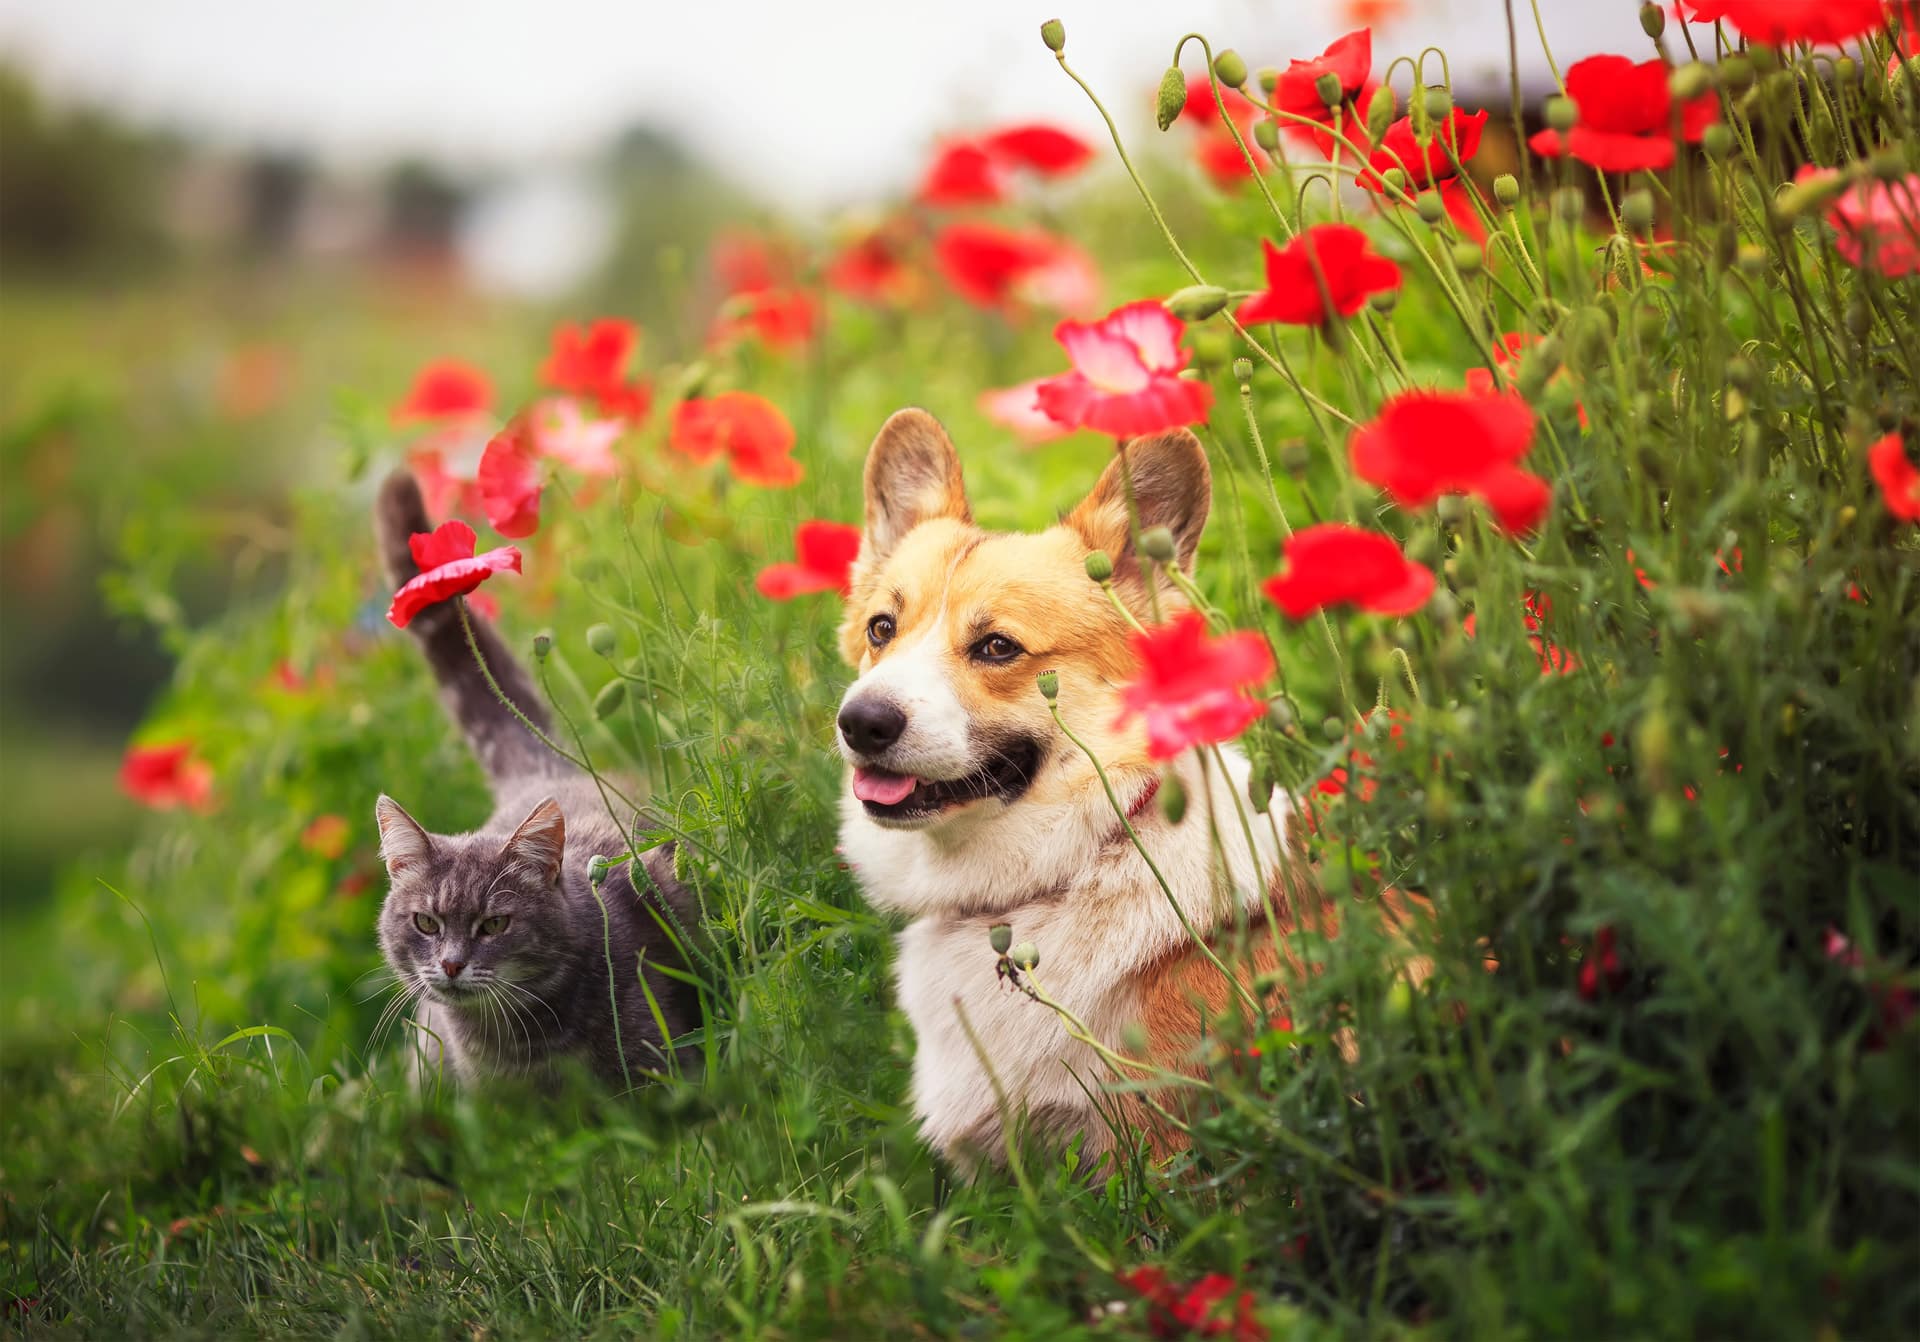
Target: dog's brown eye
column 494, row 926
column 880, row 630
column 997, row 648
column 426, row 922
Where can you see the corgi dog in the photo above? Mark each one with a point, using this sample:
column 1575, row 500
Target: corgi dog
column 967, row 806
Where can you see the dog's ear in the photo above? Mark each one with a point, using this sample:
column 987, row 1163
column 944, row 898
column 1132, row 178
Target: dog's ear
column 913, row 476
column 1172, row 488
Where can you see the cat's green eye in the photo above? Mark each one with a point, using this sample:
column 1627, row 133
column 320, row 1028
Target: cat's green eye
column 494, row 926
column 426, row 922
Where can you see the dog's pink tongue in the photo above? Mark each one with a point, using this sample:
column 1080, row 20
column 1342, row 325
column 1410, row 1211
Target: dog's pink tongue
column 882, row 789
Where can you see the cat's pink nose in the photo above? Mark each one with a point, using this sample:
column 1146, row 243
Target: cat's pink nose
column 452, row 968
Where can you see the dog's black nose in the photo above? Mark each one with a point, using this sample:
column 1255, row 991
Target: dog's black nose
column 870, row 725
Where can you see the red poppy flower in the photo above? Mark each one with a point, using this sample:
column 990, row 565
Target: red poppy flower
column 445, row 389
column 825, row 552
column 1348, row 59
column 1192, row 687
column 1424, row 444
column 166, row 776
column 1553, row 658
column 445, row 468
column 1193, row 1310
column 743, row 263
column 448, row 568
column 1038, row 148
column 1896, row 476
column 1328, row 265
column 1334, row 564
column 1507, row 350
column 1624, row 116
column 871, row 270
column 509, row 482
column 781, row 318
column 1601, row 970
column 1894, row 1003
column 1876, row 225
column 585, row 359
column 1215, row 150
column 1783, row 22
column 986, row 264
column 1428, row 166
column 1126, row 374
column 755, row 437
column 962, row 173
column 326, row 837
column 1018, row 408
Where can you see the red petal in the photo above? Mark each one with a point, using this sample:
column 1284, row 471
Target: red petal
column 509, row 481
column 454, row 578
column 451, row 540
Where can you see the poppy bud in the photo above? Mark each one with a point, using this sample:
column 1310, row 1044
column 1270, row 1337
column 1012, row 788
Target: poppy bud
column 542, row 645
column 682, row 862
column 1054, row 34
column 1049, row 683
column 1430, row 207
column 600, row 638
column 1859, row 318
column 1379, row 113
column 1437, row 102
column 1295, row 457
column 1689, row 82
column 1328, row 87
column 1026, row 955
column 1267, row 135
column 608, row 701
column 1813, row 194
column 1653, row 20
column 1506, row 189
column 1467, row 258
column 1000, row 937
column 1562, row 112
column 1384, row 300
column 1172, row 97
column 1451, row 509
column 1395, row 180
column 1444, row 606
column 1196, row 302
column 1230, row 69
column 1099, row 566
column 1653, row 746
column 1173, row 797
column 1269, row 78
column 1260, row 786
column 1156, row 543
column 1242, row 370
column 1636, row 208
column 1736, row 72
column 1717, row 141
column 1333, row 729
column 1569, row 202
column 1280, row 713
column 1889, row 165
column 597, row 869
column 1765, row 59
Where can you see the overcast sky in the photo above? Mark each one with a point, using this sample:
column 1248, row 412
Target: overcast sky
column 817, row 102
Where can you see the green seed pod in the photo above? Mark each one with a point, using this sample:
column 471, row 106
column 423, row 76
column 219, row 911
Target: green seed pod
column 1268, row 78
column 600, row 637
column 1430, row 207
column 1229, row 69
column 1099, row 566
column 1736, row 72
column 1260, row 786
column 1395, row 180
column 542, row 645
column 597, row 867
column 1384, row 300
column 1171, row 99
column 1653, row 20
column 1467, row 258
column 1438, row 102
column 1026, row 955
column 1196, row 302
column 1717, row 141
column 1328, row 87
column 1242, row 370
column 1156, row 543
column 1636, row 209
column 1506, row 189
column 1379, row 113
column 1569, row 202
column 1173, row 797
column 1451, row 509
column 1049, row 683
column 1295, row 457
column 1822, row 135
column 1689, row 82
column 1000, row 937
column 1054, row 34
column 1804, row 197
column 1562, row 113
column 682, row 862
column 1266, row 134
column 1423, row 547
column 1333, row 729
column 608, row 701
column 1444, row 607
column 1765, row 59
column 1280, row 713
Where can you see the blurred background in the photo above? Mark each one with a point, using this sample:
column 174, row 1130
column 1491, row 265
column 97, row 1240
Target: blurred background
column 231, row 232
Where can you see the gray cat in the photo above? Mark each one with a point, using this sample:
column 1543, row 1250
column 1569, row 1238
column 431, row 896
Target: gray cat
column 499, row 932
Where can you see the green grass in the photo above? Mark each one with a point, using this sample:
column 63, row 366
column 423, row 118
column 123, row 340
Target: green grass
column 201, row 1138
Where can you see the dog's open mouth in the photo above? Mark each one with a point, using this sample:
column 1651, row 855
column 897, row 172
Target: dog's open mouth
column 891, row 796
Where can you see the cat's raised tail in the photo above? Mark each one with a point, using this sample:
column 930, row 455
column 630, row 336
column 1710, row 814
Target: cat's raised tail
column 506, row 749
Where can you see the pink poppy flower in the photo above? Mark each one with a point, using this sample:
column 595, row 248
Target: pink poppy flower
column 560, row 429
column 824, row 553
column 1018, row 408
column 1876, row 225
column 1192, row 688
column 448, row 568
column 1125, row 379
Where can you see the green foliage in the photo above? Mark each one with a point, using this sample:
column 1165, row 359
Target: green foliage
column 1636, row 1090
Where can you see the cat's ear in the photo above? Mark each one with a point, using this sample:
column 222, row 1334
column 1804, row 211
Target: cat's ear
column 541, row 841
column 404, row 846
